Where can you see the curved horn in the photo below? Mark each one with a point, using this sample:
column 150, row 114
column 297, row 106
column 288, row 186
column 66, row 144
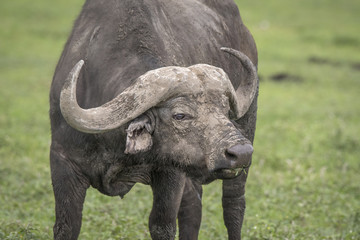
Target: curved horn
column 247, row 88
column 149, row 89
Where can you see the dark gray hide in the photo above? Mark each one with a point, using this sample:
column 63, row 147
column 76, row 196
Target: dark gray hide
column 120, row 41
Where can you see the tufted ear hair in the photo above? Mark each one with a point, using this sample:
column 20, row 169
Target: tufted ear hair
column 138, row 137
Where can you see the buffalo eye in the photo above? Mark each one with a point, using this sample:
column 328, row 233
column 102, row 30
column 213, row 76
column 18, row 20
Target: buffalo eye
column 179, row 116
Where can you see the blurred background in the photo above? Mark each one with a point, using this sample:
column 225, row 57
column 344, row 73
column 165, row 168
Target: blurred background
column 305, row 179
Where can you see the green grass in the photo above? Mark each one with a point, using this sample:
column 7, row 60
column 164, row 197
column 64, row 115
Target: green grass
column 304, row 181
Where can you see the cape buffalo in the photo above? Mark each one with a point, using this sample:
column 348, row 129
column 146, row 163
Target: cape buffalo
column 152, row 91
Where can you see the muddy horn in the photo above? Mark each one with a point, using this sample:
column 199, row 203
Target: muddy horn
column 247, row 89
column 148, row 91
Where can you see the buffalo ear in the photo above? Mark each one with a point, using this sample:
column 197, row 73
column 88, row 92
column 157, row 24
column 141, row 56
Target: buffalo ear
column 138, row 137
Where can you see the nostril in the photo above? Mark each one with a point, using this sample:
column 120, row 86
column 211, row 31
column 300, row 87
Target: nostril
column 240, row 153
column 230, row 156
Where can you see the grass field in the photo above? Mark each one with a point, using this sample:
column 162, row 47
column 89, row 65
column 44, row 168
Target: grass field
column 305, row 179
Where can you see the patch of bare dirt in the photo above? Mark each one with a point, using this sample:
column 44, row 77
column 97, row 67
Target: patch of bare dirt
column 283, row 77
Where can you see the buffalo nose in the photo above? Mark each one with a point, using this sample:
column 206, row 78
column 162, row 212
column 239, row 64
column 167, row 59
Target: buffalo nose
column 240, row 155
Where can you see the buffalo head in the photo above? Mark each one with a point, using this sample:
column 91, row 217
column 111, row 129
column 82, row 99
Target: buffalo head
column 181, row 114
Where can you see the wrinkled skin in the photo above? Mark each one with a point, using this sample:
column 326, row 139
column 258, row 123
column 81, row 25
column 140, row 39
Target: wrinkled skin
column 174, row 147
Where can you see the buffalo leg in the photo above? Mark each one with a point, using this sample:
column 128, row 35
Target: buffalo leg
column 69, row 190
column 233, row 202
column 167, row 187
column 190, row 211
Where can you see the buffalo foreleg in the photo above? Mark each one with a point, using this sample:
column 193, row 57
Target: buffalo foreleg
column 190, row 211
column 69, row 190
column 167, row 187
column 233, row 202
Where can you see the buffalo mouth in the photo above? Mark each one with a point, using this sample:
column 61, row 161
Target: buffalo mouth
column 228, row 173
